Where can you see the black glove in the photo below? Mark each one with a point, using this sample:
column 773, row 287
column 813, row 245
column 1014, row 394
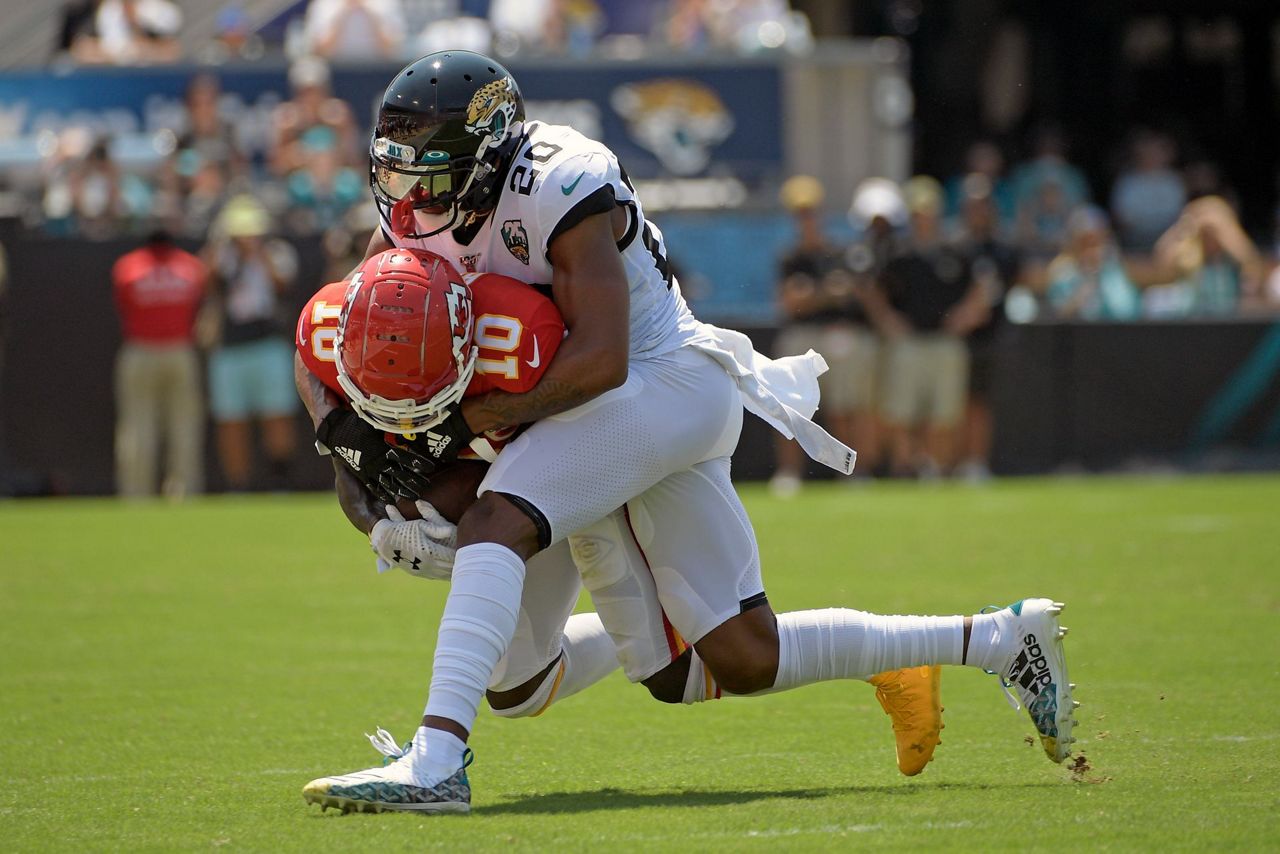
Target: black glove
column 411, row 465
column 361, row 447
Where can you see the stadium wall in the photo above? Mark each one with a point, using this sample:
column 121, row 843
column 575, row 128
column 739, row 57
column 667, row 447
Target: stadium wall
column 1091, row 396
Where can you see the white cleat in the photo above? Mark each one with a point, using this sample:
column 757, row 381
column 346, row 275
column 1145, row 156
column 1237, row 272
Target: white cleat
column 1037, row 671
column 391, row 787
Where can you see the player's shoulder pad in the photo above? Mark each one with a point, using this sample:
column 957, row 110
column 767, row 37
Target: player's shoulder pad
column 578, row 180
column 321, row 310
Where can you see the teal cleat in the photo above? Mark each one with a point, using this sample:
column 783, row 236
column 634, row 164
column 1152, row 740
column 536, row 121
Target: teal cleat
column 391, row 787
column 1037, row 671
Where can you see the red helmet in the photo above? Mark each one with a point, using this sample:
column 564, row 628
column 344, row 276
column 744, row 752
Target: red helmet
column 404, row 340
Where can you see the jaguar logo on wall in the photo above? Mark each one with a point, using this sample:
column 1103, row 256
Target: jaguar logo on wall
column 680, row 121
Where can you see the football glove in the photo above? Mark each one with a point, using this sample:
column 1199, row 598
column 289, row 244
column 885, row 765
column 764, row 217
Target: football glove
column 410, row 465
column 424, row 547
column 361, row 448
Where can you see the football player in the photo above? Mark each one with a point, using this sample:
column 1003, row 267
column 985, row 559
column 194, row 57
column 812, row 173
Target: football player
column 389, row 331
column 414, row 330
column 641, row 407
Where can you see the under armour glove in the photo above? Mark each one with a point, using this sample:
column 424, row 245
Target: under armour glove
column 361, row 447
column 424, row 547
column 410, row 465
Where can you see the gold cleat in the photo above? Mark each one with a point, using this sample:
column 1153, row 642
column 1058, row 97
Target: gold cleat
column 911, row 697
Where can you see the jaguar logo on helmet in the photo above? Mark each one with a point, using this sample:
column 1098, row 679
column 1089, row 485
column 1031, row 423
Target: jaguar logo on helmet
column 492, row 111
column 680, row 121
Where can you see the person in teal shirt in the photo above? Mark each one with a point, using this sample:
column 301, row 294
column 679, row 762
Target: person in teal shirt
column 1089, row 280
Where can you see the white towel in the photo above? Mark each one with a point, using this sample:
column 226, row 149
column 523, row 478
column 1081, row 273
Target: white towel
column 784, row 392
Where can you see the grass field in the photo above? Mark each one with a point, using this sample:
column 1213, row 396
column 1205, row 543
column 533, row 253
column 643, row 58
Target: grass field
column 172, row 676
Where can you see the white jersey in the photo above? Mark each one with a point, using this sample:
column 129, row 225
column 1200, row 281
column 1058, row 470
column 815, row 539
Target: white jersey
column 557, row 178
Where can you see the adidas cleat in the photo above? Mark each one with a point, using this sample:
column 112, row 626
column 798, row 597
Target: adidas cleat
column 391, row 787
column 1037, row 671
column 910, row 697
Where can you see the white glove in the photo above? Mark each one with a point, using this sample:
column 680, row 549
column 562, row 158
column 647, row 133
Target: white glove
column 424, row 547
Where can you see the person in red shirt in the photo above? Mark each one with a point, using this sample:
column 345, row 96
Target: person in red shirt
column 158, row 290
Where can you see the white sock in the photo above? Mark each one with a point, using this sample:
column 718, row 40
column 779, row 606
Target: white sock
column 988, row 645
column 476, row 629
column 839, row 643
column 437, row 755
column 701, row 685
column 588, row 655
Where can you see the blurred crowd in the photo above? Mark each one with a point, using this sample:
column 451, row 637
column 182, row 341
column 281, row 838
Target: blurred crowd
column 134, row 32
column 910, row 314
column 310, row 173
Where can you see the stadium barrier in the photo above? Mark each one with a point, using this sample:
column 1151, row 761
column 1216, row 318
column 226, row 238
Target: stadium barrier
column 1069, row 395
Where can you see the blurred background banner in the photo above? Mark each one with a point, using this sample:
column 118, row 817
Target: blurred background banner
column 674, row 120
column 1026, row 237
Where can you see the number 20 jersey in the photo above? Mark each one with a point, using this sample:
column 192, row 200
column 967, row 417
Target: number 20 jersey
column 517, row 331
column 558, row 178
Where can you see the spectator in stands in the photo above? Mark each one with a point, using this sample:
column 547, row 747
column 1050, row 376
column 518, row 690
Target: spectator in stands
column 1046, row 190
column 983, row 159
column 879, row 214
column 688, row 26
column 95, row 187
column 251, row 369
column 233, row 37
column 745, row 26
column 320, row 192
column 823, row 312
column 359, row 30
column 1148, row 196
column 522, row 25
column 131, row 32
column 313, row 121
column 76, row 23
column 62, row 160
column 207, row 164
column 927, row 302
column 1089, row 280
column 159, row 399
column 443, row 28
column 995, row 267
column 207, row 133
column 1213, row 256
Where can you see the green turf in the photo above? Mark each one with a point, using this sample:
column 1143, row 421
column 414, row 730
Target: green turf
column 172, row 676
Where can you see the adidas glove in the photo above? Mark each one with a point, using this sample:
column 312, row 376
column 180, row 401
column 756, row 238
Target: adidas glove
column 361, row 448
column 424, row 547
column 410, row 466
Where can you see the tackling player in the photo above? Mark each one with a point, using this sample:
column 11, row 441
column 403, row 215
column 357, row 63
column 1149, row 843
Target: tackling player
column 388, row 329
column 641, row 407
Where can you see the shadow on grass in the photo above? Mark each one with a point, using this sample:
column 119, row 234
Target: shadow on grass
column 621, row 799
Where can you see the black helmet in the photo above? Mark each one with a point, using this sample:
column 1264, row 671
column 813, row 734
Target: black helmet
column 447, row 127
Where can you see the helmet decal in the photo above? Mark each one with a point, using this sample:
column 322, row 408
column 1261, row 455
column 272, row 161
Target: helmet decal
column 492, row 111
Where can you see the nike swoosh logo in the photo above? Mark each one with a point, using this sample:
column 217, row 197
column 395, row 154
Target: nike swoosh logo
column 568, row 189
column 537, row 356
